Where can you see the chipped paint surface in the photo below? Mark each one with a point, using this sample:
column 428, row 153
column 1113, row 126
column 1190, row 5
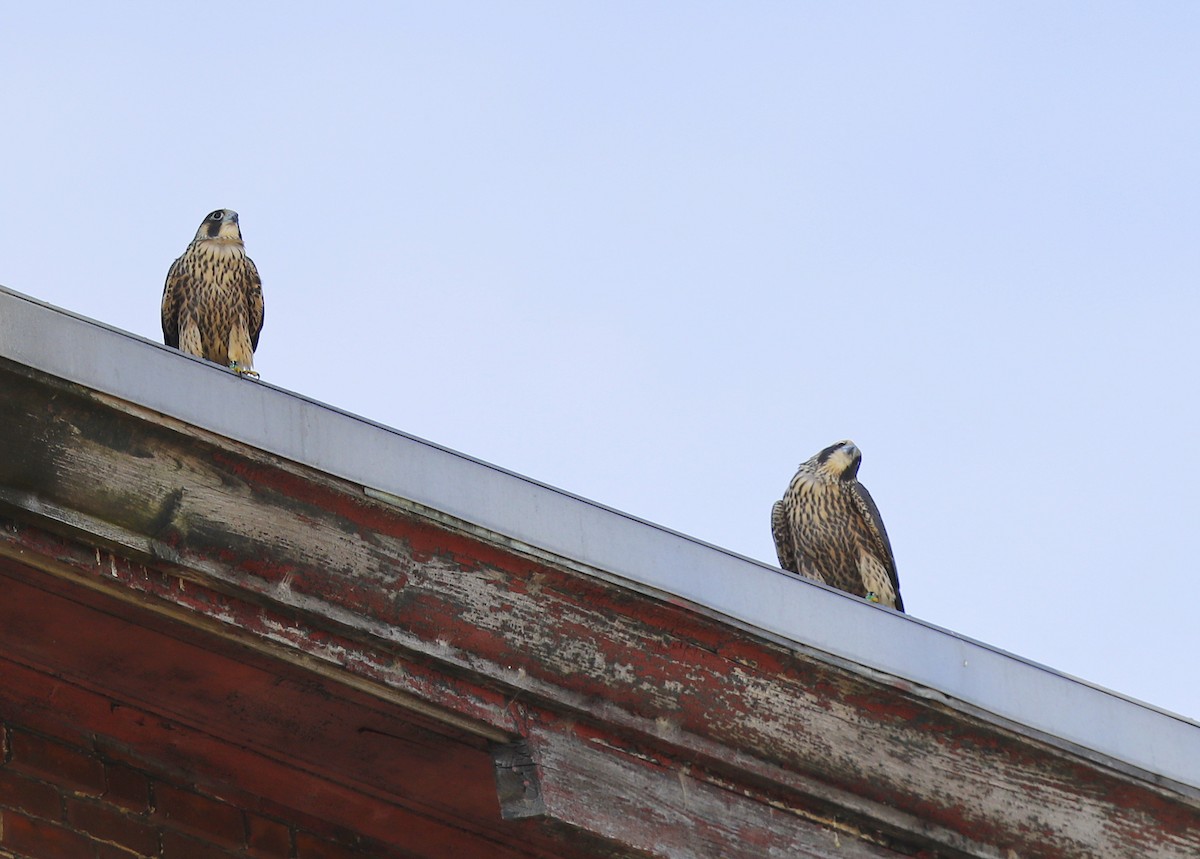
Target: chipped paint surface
column 515, row 646
column 253, row 730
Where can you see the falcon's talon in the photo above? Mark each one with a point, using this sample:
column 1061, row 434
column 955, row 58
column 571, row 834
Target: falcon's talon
column 242, row 371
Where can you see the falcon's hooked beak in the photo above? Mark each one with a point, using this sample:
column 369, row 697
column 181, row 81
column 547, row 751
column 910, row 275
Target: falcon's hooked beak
column 221, row 224
column 840, row 460
column 854, row 455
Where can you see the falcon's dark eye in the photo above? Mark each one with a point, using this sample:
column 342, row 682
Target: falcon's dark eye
column 217, row 215
column 823, row 456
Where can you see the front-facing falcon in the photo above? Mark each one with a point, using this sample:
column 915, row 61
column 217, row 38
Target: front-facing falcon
column 828, row 528
column 212, row 304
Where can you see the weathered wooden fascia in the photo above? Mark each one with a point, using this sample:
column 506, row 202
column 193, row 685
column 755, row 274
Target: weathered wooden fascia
column 516, row 646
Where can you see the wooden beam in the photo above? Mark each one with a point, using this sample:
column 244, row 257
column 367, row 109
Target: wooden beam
column 297, row 559
column 672, row 808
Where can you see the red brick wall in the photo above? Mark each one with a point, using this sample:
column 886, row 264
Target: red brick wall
column 64, row 797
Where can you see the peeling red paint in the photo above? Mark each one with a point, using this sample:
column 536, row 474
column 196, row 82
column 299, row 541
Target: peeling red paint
column 277, row 553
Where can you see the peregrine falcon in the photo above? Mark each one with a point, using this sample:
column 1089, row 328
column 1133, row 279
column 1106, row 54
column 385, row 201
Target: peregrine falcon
column 828, row 528
column 212, row 304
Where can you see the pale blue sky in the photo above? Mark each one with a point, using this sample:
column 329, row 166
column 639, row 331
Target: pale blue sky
column 657, row 254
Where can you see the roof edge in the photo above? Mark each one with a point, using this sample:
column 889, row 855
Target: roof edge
column 392, row 465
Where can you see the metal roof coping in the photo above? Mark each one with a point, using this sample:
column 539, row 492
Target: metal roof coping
column 393, row 466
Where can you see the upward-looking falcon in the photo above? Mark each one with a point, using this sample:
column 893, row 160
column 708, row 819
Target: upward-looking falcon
column 212, row 303
column 828, row 528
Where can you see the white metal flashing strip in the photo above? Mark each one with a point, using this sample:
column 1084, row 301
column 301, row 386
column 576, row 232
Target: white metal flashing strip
column 647, row 556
